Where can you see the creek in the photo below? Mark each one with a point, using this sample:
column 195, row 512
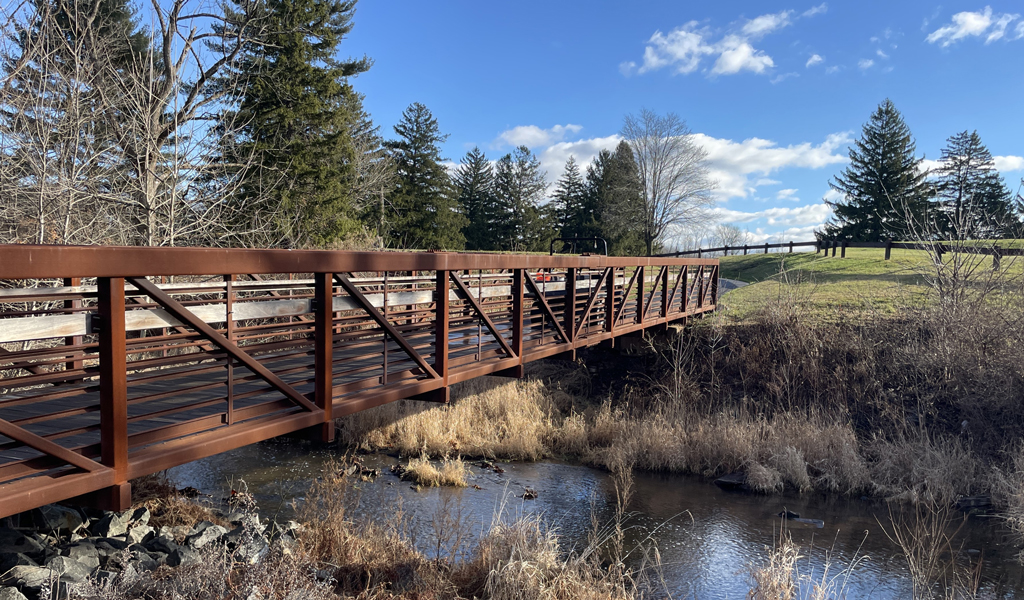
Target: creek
column 707, row 537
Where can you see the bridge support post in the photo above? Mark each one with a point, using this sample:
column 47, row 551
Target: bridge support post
column 442, row 307
column 113, row 394
column 323, row 360
column 516, row 372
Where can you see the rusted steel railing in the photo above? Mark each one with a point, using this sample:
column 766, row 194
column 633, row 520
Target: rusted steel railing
column 120, row 362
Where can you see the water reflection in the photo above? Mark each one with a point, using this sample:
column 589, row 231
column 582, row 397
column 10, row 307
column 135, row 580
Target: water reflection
column 706, row 537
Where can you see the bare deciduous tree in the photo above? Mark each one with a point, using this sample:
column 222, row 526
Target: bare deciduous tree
column 102, row 146
column 677, row 186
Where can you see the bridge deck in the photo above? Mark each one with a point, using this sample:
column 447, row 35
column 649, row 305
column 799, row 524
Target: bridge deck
column 118, row 362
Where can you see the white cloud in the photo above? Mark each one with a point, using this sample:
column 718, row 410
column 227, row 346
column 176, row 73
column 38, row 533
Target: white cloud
column 785, row 216
column 734, row 164
column 532, row 136
column 738, row 55
column 865, row 63
column 816, row 10
column 787, row 194
column 683, row 47
column 553, row 158
column 765, row 24
column 1019, row 31
column 783, row 77
column 833, row 69
column 972, row 24
column 1009, row 163
column 815, row 59
column 881, row 54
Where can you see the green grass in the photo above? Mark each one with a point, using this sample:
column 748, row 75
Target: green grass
column 826, row 286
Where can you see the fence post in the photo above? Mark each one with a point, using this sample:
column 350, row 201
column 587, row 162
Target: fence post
column 113, row 392
column 842, row 254
column 727, row 250
column 323, row 351
column 888, row 248
column 834, row 244
column 744, row 249
column 790, row 246
column 766, row 247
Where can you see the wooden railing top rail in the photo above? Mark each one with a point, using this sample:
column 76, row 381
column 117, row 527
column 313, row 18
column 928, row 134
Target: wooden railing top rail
column 47, row 262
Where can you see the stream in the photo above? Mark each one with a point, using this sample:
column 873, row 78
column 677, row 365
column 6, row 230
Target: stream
column 707, row 537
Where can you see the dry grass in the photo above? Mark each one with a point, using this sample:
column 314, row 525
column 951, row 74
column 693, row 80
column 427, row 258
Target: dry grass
column 167, row 506
column 451, row 472
column 775, row 579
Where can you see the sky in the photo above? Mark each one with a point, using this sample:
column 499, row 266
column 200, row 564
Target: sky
column 774, row 91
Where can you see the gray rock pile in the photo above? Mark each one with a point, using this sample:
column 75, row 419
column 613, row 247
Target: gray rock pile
column 68, row 547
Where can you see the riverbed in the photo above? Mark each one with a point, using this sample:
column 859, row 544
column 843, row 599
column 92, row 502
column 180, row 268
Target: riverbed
column 707, row 538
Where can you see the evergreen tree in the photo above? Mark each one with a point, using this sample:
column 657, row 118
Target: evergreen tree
column 570, row 203
column 422, row 211
column 613, row 204
column 474, row 180
column 884, row 191
column 518, row 188
column 973, row 202
column 299, row 122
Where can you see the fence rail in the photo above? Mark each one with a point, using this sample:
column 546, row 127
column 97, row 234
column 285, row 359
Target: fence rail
column 120, row 362
column 980, row 247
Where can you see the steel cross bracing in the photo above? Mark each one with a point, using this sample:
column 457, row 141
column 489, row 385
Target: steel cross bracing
column 120, row 362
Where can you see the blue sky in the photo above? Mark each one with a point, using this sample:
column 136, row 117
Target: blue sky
column 775, row 90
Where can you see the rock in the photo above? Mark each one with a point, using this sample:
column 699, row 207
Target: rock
column 732, row 481
column 113, row 525
column 140, row 517
column 9, row 593
column 13, row 542
column 183, row 557
column 529, row 494
column 60, row 519
column 178, row 532
column 788, row 514
column 161, row 543
column 69, row 569
column 205, row 533
column 251, row 549
column 15, row 559
column 85, row 553
column 28, row 579
column 140, row 533
column 110, row 544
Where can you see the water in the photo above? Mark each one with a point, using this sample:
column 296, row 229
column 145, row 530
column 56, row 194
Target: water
column 707, row 537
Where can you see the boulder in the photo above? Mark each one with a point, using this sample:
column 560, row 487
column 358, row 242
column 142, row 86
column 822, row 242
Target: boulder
column 85, row 553
column 69, row 569
column 161, row 543
column 113, row 525
column 15, row 559
column 140, row 533
column 108, row 546
column 27, row 579
column 251, row 548
column 60, row 519
column 9, row 593
column 183, row 557
column 14, row 542
column 203, row 534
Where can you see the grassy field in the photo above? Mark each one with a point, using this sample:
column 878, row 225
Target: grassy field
column 829, row 287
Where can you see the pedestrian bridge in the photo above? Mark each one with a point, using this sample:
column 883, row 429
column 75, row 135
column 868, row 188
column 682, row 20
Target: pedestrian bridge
column 120, row 362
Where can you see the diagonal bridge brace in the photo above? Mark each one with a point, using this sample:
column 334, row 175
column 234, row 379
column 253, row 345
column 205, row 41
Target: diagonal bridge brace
column 186, row 316
column 546, row 307
column 47, row 447
column 592, row 301
column 468, row 296
column 383, row 322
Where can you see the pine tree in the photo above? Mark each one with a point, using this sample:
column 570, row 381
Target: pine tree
column 973, row 201
column 422, row 211
column 884, row 191
column 570, row 203
column 298, row 120
column 518, row 188
column 474, row 180
column 613, row 201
